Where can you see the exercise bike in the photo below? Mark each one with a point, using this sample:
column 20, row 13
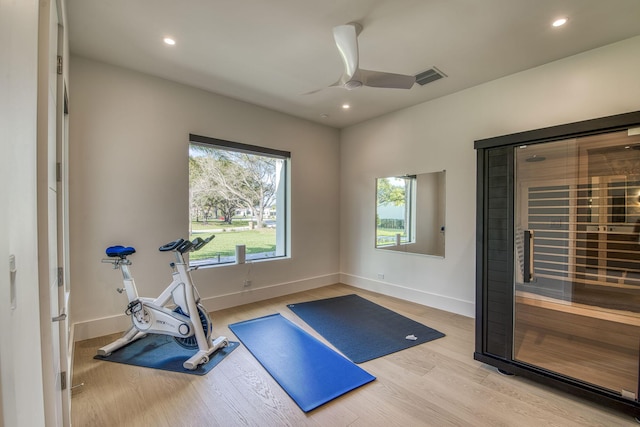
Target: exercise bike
column 188, row 322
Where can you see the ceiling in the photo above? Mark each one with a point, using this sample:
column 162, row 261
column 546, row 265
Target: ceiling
column 273, row 52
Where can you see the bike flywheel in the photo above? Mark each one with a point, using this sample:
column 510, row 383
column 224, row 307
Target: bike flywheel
column 205, row 322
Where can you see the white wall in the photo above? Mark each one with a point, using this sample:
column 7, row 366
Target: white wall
column 439, row 135
column 22, row 402
column 129, row 185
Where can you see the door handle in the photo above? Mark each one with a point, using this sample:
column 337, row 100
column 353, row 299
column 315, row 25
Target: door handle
column 528, row 256
column 59, row 318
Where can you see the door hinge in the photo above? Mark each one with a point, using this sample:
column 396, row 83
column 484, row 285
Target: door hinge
column 59, row 64
column 58, row 172
column 63, row 380
column 60, row 276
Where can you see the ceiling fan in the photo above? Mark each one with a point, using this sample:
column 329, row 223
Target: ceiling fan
column 353, row 77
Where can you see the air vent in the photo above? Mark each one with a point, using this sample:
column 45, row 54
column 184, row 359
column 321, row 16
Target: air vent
column 431, row 75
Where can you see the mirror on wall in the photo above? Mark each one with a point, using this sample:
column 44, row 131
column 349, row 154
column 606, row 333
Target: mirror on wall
column 410, row 213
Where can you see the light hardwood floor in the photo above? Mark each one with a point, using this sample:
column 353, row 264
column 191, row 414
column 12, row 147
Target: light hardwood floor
column 433, row 384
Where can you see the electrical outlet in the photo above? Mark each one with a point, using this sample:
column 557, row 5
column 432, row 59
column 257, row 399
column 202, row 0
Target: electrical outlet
column 247, row 283
column 381, row 276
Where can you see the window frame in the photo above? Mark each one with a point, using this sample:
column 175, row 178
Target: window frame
column 283, row 221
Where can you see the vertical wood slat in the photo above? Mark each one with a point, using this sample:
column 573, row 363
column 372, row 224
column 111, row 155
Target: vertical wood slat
column 495, row 287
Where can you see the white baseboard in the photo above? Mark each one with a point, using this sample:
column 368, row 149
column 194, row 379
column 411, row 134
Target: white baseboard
column 259, row 294
column 109, row 325
column 99, row 327
column 464, row 308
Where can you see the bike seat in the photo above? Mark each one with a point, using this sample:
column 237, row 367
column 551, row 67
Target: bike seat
column 120, row 251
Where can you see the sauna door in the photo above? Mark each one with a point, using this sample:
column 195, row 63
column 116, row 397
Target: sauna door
column 577, row 256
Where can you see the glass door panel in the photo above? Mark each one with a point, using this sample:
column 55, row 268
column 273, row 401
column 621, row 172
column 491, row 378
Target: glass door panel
column 577, row 252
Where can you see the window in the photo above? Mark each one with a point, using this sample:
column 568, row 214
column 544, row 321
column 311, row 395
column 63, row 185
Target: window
column 395, row 214
column 239, row 193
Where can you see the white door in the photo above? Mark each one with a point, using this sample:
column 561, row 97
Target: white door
column 52, row 216
column 577, row 283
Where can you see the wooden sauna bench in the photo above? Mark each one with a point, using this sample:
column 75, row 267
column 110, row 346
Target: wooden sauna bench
column 592, row 344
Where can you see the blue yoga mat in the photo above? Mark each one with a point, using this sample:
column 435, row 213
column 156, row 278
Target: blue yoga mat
column 161, row 352
column 311, row 373
column 361, row 329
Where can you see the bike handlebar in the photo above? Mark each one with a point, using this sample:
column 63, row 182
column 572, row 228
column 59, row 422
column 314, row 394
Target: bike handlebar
column 171, row 245
column 183, row 246
column 198, row 242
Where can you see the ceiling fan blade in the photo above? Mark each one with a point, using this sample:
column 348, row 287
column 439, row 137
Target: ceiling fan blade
column 346, row 38
column 313, row 91
column 386, row 80
column 339, row 83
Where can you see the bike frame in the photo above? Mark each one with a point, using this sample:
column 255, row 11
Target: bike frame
column 149, row 315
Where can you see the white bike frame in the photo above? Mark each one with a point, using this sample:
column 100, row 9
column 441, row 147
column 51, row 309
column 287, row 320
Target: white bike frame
column 149, row 315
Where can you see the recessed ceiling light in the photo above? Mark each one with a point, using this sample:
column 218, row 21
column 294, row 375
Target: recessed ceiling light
column 346, row 106
column 169, row 41
column 560, row 22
